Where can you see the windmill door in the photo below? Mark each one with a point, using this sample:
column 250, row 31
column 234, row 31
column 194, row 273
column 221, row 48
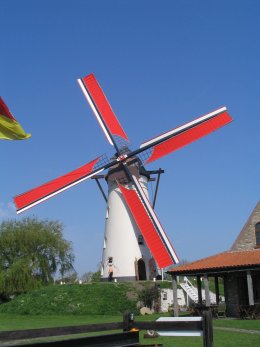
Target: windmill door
column 141, row 270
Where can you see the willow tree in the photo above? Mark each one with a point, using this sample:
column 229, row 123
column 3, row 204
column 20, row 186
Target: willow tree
column 31, row 253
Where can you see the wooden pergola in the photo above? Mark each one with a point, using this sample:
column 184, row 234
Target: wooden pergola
column 241, row 277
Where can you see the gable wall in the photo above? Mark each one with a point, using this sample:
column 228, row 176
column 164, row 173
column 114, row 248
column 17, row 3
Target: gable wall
column 246, row 239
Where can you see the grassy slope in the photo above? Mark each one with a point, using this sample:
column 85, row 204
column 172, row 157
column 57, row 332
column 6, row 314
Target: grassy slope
column 101, row 298
column 89, row 299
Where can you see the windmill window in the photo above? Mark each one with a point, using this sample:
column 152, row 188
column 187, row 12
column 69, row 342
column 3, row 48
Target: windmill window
column 110, row 260
column 140, row 240
column 257, row 234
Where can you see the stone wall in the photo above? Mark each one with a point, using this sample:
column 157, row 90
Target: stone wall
column 236, row 292
column 231, row 295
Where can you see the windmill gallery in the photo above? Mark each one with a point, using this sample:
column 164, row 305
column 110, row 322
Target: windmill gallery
column 136, row 246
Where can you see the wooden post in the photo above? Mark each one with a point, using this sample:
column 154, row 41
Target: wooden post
column 128, row 321
column 207, row 329
column 199, row 290
column 175, row 296
column 217, row 289
column 206, row 286
column 225, row 283
column 162, row 274
column 250, row 288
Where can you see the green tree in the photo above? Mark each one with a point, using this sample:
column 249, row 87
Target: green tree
column 87, row 277
column 69, row 278
column 96, row 276
column 31, row 253
column 149, row 295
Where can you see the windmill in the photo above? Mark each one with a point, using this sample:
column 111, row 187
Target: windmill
column 135, row 243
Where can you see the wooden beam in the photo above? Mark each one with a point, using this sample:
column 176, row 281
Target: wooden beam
column 193, row 326
column 57, row 331
column 175, row 296
column 199, row 290
column 101, row 189
column 207, row 329
column 128, row 338
column 225, row 283
column 250, row 288
column 159, row 172
column 216, row 289
column 206, row 287
column 175, row 324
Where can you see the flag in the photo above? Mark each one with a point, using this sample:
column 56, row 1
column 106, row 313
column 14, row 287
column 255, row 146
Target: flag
column 10, row 129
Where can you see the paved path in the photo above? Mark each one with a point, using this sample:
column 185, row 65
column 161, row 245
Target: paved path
column 245, row 331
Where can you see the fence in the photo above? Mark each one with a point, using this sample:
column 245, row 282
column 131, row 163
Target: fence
column 170, row 326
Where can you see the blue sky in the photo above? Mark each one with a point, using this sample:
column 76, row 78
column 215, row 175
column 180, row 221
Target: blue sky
column 161, row 64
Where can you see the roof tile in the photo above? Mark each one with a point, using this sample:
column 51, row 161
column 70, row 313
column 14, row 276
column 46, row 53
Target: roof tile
column 221, row 261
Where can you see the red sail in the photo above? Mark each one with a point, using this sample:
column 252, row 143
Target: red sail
column 101, row 108
column 151, row 234
column 182, row 136
column 56, row 186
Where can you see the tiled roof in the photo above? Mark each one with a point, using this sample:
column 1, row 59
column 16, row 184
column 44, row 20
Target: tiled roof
column 221, row 261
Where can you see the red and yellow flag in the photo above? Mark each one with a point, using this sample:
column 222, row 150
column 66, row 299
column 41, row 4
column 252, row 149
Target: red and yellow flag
column 10, row 129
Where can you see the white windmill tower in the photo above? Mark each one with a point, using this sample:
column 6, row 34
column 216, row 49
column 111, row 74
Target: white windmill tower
column 130, row 216
column 124, row 252
column 126, row 255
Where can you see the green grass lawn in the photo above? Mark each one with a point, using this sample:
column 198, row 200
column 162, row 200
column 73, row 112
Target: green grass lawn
column 221, row 338
column 238, row 324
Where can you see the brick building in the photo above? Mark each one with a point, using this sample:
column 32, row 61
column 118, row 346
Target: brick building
column 239, row 268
